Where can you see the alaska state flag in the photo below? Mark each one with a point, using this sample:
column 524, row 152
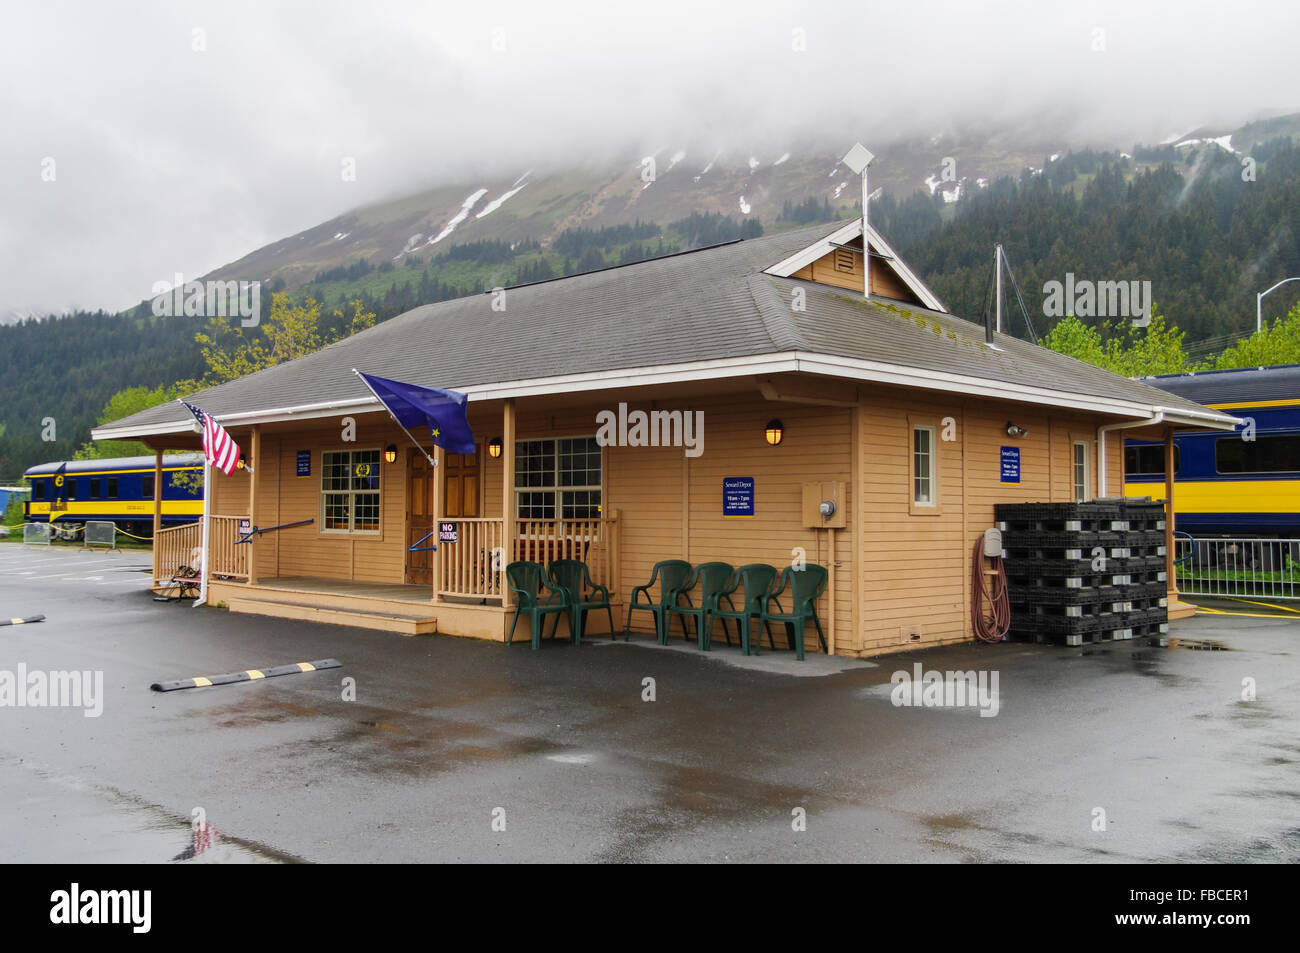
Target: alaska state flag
column 442, row 411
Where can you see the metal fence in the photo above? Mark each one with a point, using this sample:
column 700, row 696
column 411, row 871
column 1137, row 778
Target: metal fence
column 36, row 534
column 1239, row 567
column 101, row 533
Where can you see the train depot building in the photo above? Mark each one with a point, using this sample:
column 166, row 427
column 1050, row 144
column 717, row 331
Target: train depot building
column 700, row 407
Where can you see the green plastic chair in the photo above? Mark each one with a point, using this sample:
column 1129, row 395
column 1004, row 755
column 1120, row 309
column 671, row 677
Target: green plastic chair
column 757, row 580
column 671, row 573
column 526, row 581
column 712, row 579
column 573, row 576
column 805, row 586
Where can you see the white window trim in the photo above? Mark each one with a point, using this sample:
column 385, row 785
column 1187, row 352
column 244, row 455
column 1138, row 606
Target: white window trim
column 932, row 474
column 352, row 509
column 556, row 490
column 1087, row 470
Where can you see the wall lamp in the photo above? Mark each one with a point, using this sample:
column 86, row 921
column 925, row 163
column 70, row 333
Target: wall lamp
column 1014, row 431
column 494, row 447
column 774, row 432
column 390, row 453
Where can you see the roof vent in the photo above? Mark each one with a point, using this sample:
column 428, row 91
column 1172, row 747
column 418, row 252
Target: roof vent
column 844, row 260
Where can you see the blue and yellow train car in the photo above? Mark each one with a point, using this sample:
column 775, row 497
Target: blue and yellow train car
column 120, row 490
column 1244, row 484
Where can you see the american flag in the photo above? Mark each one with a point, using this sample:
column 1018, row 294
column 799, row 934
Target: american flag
column 221, row 451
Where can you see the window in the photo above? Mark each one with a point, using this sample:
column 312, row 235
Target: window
column 70, row 484
column 146, row 486
column 558, row 478
column 924, row 482
column 1082, row 453
column 112, row 488
column 350, row 491
column 1148, row 460
column 1280, row 454
column 38, row 489
column 94, row 488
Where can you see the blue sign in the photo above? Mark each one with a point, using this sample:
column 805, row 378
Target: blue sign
column 304, row 463
column 1010, row 464
column 738, row 497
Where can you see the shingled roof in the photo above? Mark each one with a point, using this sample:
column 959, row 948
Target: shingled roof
column 705, row 314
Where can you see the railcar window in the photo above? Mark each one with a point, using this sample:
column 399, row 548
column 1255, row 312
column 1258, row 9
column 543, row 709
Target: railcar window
column 146, row 486
column 94, row 488
column 1149, row 461
column 112, row 488
column 38, row 489
column 1276, row 454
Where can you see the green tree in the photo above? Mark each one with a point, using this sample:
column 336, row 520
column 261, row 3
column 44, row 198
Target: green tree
column 1278, row 343
column 292, row 330
column 1156, row 348
column 123, row 404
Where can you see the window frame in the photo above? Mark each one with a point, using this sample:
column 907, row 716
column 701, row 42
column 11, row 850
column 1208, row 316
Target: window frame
column 1086, row 445
column 1243, row 472
column 556, row 489
column 352, row 493
column 1140, row 475
column 932, row 507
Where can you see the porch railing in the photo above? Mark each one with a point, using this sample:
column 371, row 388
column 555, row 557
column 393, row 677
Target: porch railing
column 225, row 559
column 474, row 565
column 172, row 546
column 594, row 541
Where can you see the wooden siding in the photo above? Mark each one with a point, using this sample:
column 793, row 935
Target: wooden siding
column 916, row 569
column 898, row 567
column 884, row 282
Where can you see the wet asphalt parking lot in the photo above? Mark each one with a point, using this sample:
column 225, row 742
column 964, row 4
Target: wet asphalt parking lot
column 447, row 735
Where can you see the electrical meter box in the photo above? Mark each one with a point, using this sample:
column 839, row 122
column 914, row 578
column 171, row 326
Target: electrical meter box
column 993, row 542
column 815, row 514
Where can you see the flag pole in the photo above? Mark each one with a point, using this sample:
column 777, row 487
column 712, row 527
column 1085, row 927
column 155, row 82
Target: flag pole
column 203, row 545
column 207, row 521
column 427, row 455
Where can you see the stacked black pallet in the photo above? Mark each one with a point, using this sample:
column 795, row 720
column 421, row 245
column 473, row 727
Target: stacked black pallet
column 1085, row 572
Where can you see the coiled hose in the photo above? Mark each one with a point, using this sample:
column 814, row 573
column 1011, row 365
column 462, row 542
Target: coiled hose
column 992, row 623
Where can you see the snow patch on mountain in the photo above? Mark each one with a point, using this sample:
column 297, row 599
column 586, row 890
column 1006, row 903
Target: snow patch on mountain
column 459, row 217
column 496, row 203
column 784, row 156
column 411, row 244
column 745, row 207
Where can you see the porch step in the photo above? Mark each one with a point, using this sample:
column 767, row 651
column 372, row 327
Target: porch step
column 402, row 623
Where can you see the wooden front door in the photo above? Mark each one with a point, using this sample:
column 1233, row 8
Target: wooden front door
column 419, row 519
column 460, row 487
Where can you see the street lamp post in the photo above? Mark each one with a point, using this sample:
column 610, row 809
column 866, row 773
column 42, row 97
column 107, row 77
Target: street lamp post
column 1259, row 302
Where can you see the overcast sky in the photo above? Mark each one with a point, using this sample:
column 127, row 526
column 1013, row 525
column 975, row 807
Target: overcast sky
column 185, row 134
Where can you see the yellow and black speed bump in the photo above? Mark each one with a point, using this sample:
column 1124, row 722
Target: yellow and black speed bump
column 251, row 675
column 35, row 618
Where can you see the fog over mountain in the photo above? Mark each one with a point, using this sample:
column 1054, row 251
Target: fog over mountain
column 144, row 139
